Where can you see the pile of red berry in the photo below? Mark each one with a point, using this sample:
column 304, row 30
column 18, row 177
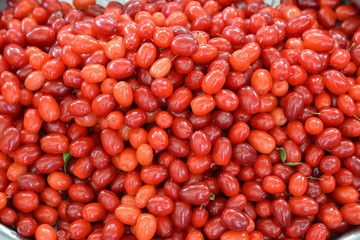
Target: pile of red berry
column 180, row 120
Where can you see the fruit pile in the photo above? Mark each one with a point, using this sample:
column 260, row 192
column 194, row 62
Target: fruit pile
column 181, row 120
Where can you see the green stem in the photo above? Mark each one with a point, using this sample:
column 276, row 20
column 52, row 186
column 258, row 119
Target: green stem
column 352, row 45
column 174, row 58
column 110, row 120
column 315, row 113
column 225, row 67
column 70, row 117
column 314, row 178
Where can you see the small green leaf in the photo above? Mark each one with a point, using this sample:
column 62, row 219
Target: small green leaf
column 66, row 156
column 212, row 198
column 282, row 154
column 283, row 158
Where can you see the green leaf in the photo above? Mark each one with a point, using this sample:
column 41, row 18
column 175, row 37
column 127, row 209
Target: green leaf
column 282, row 154
column 66, row 156
column 283, row 158
column 212, row 198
